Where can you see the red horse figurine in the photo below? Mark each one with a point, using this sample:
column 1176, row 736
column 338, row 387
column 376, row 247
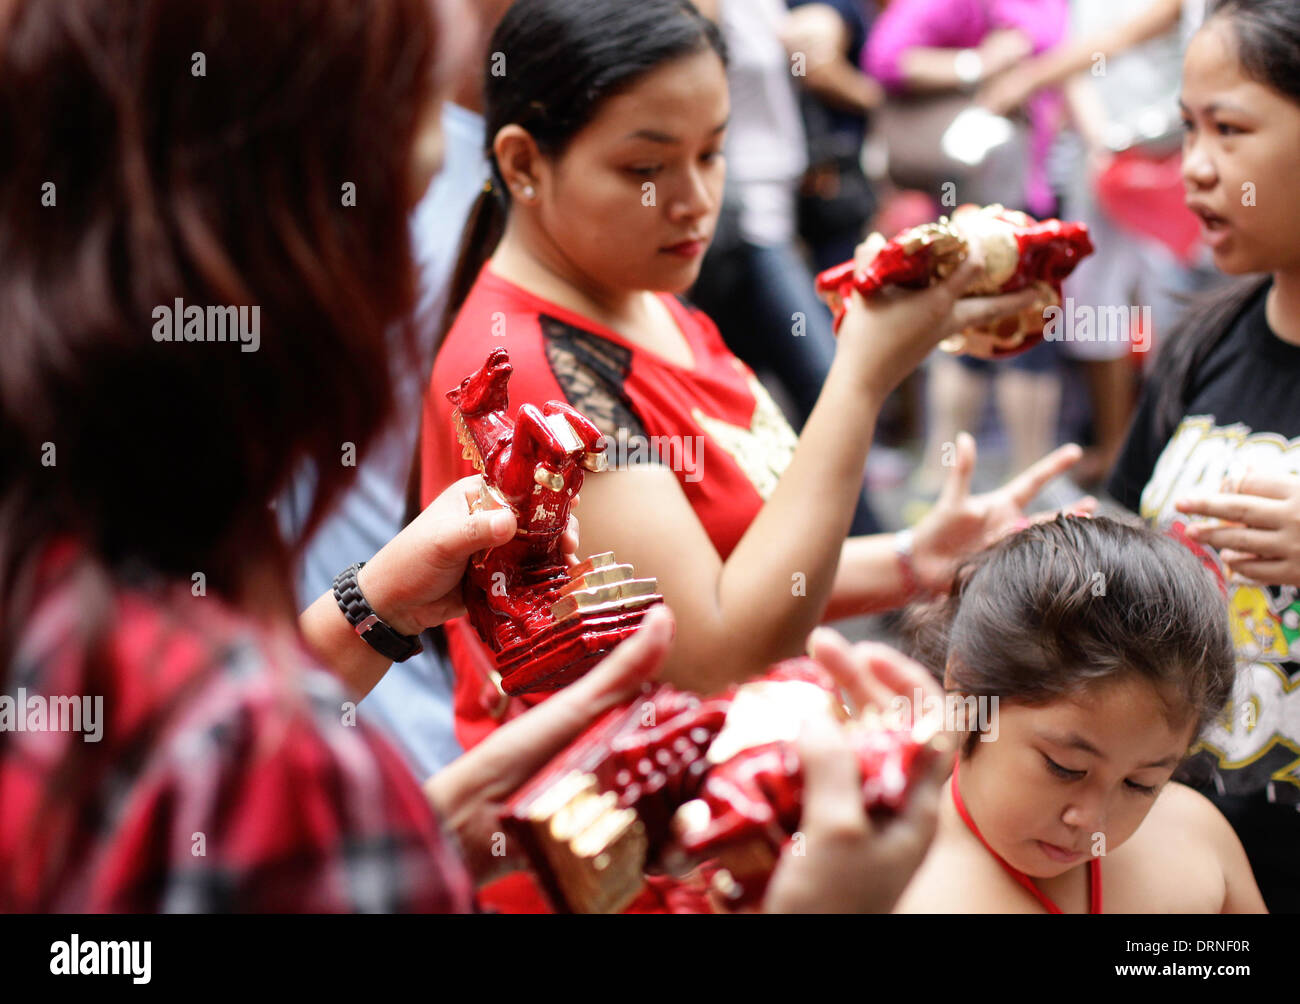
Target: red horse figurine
column 673, row 781
column 545, row 623
column 1018, row 251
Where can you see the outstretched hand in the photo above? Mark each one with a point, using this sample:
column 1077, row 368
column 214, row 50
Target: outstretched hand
column 1260, row 539
column 847, row 863
column 960, row 524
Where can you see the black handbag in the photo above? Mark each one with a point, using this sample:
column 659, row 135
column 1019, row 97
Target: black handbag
column 835, row 196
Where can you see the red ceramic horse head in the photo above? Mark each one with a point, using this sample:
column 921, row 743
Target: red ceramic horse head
column 485, row 389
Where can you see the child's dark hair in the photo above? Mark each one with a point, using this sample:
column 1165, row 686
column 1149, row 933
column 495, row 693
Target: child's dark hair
column 1268, row 38
column 1063, row 604
column 1267, row 33
column 552, row 64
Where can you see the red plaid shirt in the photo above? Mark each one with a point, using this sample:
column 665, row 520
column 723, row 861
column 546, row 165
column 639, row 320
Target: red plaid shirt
column 227, row 776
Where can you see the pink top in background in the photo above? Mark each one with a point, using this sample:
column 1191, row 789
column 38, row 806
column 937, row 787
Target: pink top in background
column 956, row 24
column 963, row 24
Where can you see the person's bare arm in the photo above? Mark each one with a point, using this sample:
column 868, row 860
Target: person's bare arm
column 869, row 578
column 1241, row 893
column 844, row 86
column 818, row 34
column 926, row 69
column 1053, row 67
column 1203, row 833
column 335, row 642
column 736, row 617
column 1087, row 111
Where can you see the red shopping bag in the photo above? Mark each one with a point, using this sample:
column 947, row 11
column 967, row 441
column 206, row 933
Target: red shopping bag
column 1143, row 194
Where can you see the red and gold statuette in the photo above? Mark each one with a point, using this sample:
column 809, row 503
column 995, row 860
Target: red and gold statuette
column 673, row 781
column 546, row 623
column 1016, row 250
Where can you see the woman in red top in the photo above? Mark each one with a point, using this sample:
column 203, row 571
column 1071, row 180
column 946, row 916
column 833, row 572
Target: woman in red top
column 605, row 140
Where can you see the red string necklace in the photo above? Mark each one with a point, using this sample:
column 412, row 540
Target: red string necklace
column 1094, row 866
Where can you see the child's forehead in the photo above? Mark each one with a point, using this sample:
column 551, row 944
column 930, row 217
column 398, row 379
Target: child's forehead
column 1212, row 67
column 1124, row 712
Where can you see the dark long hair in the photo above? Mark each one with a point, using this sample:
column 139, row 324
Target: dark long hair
column 1077, row 600
column 221, row 188
column 551, row 65
column 202, row 151
column 1268, row 44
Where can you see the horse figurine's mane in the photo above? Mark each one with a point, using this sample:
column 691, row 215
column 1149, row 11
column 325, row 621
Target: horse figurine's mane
column 479, row 409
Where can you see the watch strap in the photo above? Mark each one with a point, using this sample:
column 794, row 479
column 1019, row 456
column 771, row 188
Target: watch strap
column 369, row 626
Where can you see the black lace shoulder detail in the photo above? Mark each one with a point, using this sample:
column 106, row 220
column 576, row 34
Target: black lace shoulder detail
column 592, row 372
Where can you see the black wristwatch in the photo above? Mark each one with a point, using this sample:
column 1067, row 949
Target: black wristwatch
column 373, row 631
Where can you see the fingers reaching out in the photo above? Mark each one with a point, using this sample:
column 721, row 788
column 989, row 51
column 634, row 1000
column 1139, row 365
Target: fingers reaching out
column 956, row 488
column 1029, row 482
column 845, row 862
column 871, row 675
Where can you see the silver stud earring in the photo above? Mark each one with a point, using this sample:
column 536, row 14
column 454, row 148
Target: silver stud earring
column 530, row 192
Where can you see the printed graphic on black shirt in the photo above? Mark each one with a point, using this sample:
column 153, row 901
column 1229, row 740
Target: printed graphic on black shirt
column 1255, row 744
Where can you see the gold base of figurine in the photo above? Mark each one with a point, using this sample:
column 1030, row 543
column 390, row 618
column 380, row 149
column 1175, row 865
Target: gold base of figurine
column 596, row 850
